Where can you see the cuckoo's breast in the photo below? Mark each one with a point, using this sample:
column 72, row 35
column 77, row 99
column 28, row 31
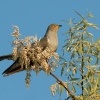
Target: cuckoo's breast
column 53, row 43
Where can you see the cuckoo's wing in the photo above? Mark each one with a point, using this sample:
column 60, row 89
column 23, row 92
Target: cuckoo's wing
column 43, row 42
column 14, row 68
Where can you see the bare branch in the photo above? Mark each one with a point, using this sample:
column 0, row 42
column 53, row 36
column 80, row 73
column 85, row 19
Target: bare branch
column 63, row 84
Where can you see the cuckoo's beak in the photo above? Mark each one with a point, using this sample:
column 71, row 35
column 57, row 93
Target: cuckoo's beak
column 60, row 25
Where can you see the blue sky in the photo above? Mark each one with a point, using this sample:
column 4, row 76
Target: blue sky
column 33, row 17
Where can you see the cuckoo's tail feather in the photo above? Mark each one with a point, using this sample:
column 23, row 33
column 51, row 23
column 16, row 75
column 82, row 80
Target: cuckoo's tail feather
column 8, row 57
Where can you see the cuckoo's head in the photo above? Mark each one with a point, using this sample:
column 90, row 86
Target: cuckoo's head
column 53, row 27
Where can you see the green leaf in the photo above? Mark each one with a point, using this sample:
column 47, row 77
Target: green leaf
column 64, row 65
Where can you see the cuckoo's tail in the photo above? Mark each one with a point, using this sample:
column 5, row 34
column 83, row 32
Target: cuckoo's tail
column 8, row 57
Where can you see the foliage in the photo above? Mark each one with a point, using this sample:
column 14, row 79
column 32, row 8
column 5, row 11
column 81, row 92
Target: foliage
column 82, row 69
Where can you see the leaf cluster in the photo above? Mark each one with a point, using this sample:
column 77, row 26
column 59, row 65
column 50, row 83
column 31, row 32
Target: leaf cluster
column 81, row 67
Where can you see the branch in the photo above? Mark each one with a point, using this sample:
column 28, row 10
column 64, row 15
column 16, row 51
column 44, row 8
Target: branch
column 63, row 84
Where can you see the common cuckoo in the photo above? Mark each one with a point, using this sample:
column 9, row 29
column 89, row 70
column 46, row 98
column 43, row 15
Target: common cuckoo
column 49, row 40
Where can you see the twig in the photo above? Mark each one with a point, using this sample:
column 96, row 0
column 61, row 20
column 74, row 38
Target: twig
column 62, row 83
column 82, row 63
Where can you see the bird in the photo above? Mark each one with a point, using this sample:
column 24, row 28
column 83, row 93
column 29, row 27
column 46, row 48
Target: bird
column 49, row 40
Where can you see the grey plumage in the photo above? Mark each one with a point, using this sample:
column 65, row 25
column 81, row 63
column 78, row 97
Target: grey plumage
column 49, row 40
